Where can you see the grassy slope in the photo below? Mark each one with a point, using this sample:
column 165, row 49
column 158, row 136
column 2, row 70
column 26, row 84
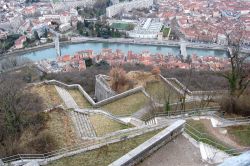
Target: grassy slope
column 127, row 105
column 241, row 134
column 49, row 95
column 104, row 155
column 203, row 132
column 160, row 92
column 104, row 125
column 79, row 99
column 59, row 126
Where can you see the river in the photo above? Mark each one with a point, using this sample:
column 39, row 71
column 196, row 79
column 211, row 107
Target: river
column 50, row 53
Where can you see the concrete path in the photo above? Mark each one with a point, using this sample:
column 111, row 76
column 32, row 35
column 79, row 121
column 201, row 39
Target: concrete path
column 178, row 152
column 66, row 97
column 82, row 124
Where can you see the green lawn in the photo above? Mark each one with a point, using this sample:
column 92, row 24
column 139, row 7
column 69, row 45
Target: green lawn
column 241, row 134
column 160, row 92
column 104, row 155
column 80, row 100
column 122, row 26
column 103, row 125
column 127, row 105
column 166, row 32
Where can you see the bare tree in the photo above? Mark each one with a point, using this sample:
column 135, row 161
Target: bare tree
column 17, row 107
column 118, row 78
column 237, row 76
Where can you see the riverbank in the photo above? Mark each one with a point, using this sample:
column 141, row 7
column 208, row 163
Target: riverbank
column 145, row 42
column 152, row 42
column 32, row 49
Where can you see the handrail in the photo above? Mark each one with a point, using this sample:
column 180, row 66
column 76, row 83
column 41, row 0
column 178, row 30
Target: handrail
column 186, row 113
column 200, row 137
column 231, row 120
column 102, row 140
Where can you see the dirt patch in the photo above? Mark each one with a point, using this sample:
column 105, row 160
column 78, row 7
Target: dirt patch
column 216, row 132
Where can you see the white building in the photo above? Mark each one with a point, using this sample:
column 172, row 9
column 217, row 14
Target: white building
column 64, row 27
column 66, row 4
column 148, row 29
column 127, row 6
column 222, row 39
column 65, row 17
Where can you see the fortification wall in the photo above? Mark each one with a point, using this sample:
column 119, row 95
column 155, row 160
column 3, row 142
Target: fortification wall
column 102, row 88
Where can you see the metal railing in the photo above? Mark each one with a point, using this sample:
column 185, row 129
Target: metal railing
column 181, row 113
column 232, row 121
column 204, row 137
column 112, row 138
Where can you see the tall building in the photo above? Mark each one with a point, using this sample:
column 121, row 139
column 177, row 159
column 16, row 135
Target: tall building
column 127, row 6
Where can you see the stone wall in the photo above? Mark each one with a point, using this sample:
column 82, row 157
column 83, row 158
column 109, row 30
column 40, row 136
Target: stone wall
column 107, row 140
column 102, row 88
column 86, row 95
column 147, row 148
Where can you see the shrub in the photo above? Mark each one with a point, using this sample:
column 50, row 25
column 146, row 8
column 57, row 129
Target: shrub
column 156, row 71
column 233, row 105
column 43, row 143
column 118, row 78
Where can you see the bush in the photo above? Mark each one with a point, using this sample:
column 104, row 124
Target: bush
column 199, row 80
column 156, row 71
column 238, row 106
column 85, row 78
column 118, row 78
column 43, row 143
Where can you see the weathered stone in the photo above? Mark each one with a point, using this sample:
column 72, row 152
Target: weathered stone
column 102, row 89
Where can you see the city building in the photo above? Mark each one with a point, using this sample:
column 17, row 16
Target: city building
column 64, row 27
column 127, row 6
column 19, row 42
column 148, row 29
column 3, row 35
column 222, row 39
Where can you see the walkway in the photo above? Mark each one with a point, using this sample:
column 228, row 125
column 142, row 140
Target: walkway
column 66, row 97
column 177, row 152
column 83, row 127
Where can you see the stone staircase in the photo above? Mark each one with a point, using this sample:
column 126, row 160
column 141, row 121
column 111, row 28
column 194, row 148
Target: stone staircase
column 66, row 97
column 83, row 125
column 143, row 114
column 151, row 122
column 211, row 154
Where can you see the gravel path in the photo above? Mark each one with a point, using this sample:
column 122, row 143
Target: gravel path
column 179, row 152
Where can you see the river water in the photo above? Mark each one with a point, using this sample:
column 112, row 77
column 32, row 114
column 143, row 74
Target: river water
column 50, row 53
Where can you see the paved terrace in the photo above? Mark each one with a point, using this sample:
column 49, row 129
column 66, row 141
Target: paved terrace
column 179, row 151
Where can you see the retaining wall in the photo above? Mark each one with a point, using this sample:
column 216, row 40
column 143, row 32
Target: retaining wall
column 78, row 150
column 90, row 100
column 102, row 89
column 205, row 94
column 147, row 148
